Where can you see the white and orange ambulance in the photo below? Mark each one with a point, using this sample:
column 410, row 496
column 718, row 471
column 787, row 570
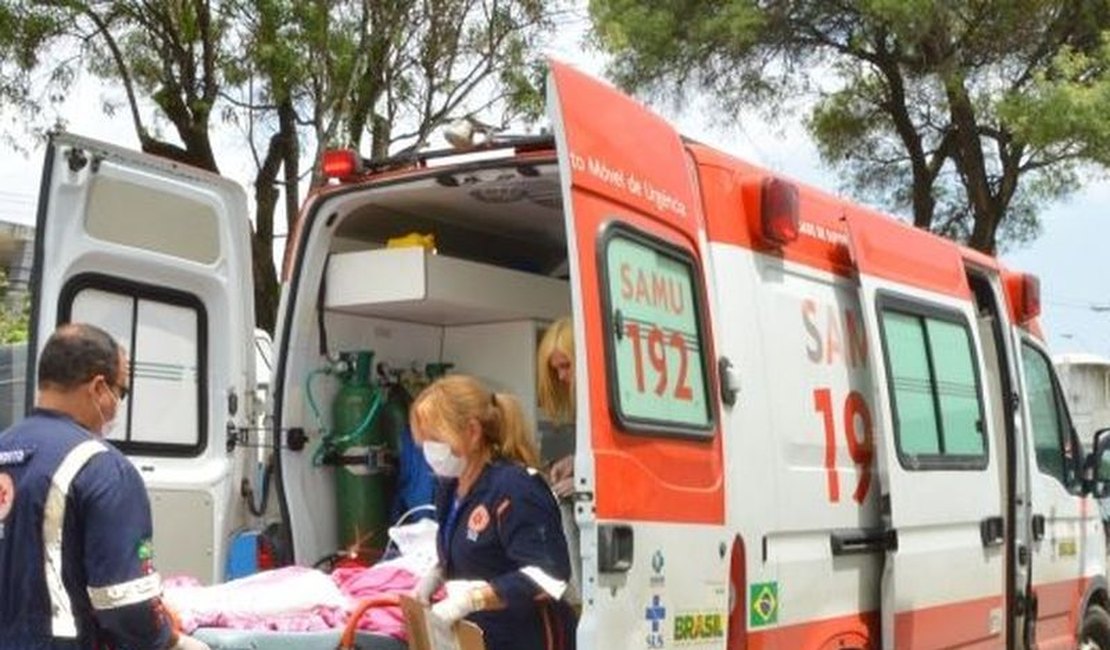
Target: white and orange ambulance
column 800, row 424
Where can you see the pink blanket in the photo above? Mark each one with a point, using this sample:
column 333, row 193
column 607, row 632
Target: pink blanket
column 379, row 579
column 293, row 599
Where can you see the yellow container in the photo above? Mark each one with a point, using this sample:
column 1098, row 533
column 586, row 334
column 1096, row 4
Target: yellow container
column 413, row 240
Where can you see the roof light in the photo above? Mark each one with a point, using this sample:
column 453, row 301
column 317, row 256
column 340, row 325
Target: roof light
column 469, row 132
column 1030, row 297
column 1024, row 293
column 341, row 163
column 460, row 134
column 779, row 211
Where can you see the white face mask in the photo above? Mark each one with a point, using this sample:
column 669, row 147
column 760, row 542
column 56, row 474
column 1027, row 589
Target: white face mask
column 442, row 461
column 108, row 425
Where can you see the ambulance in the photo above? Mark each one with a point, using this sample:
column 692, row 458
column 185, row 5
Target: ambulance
column 800, row 424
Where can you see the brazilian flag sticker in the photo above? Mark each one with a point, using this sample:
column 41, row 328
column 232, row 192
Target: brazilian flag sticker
column 764, row 597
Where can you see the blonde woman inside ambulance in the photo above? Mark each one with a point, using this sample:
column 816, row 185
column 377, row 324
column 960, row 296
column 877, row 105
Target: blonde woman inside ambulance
column 502, row 557
column 555, row 389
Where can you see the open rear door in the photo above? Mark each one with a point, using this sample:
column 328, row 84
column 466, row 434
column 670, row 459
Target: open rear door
column 943, row 579
column 650, row 501
column 157, row 254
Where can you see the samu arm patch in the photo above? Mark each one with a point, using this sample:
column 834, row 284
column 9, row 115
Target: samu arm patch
column 7, row 497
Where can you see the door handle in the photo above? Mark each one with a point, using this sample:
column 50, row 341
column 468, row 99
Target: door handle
column 614, row 548
column 992, row 531
column 729, row 379
column 863, row 540
column 1038, row 528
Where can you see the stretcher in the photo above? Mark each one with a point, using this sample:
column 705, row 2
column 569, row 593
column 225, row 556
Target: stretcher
column 468, row 635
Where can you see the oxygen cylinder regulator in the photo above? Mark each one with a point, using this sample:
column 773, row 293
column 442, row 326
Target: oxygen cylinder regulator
column 361, row 447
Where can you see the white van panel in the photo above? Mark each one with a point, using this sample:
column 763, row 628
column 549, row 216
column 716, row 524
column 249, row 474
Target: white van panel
column 158, row 253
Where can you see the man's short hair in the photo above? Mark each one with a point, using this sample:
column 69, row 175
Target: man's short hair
column 76, row 353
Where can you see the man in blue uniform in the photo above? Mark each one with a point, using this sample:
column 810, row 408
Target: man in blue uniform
column 75, row 527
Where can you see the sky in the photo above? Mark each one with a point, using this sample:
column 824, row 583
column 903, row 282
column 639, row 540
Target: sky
column 1066, row 257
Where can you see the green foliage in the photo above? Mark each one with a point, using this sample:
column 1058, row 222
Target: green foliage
column 292, row 76
column 14, row 323
column 966, row 115
column 1065, row 107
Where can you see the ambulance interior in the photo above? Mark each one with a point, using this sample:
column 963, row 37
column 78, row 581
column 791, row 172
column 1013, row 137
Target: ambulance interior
column 475, row 301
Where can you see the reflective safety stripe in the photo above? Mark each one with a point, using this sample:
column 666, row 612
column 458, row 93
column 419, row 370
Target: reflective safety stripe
column 126, row 593
column 54, row 515
column 551, row 586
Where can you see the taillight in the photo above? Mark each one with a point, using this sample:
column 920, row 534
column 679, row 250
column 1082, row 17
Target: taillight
column 341, row 163
column 779, row 211
column 737, row 598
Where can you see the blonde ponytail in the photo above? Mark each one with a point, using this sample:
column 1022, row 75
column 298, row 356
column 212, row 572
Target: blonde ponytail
column 450, row 402
column 515, row 442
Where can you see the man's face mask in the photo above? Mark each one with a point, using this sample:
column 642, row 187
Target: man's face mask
column 108, row 425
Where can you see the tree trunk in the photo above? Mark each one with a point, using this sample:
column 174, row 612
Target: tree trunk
column 972, row 167
column 262, row 239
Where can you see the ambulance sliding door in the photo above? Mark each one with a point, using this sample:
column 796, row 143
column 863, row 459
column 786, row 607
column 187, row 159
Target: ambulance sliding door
column 157, row 254
column 649, row 476
column 943, row 579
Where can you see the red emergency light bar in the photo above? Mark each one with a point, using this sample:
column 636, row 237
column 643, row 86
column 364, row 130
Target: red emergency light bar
column 341, row 164
column 1030, row 296
column 1024, row 293
column 779, row 211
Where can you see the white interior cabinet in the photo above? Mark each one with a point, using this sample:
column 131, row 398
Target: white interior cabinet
column 489, row 318
column 409, row 284
column 502, row 355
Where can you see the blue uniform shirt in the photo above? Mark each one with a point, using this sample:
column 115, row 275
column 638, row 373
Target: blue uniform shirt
column 75, row 554
column 507, row 531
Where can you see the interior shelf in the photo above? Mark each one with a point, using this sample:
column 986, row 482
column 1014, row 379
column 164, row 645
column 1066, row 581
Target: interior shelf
column 410, row 284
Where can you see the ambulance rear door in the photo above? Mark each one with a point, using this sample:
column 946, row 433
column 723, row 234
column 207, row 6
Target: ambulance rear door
column 943, row 579
column 649, row 474
column 158, row 254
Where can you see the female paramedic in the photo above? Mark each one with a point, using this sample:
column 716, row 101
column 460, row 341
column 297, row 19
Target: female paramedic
column 501, row 547
column 555, row 389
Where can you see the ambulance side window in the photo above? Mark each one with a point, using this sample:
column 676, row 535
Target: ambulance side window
column 164, row 335
column 654, row 335
column 1048, row 420
column 934, row 386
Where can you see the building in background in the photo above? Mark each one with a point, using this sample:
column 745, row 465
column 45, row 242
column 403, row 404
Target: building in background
column 17, row 243
column 1085, row 379
column 16, row 255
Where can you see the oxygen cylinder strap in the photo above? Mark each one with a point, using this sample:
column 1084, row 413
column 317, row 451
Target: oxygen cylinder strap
column 377, row 459
column 381, row 459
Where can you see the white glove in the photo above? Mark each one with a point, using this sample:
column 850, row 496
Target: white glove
column 427, row 586
column 452, row 609
column 189, row 643
column 445, row 614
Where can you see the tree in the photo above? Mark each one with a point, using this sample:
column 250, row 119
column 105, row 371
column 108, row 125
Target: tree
column 14, row 319
column 291, row 71
column 334, row 74
column 924, row 104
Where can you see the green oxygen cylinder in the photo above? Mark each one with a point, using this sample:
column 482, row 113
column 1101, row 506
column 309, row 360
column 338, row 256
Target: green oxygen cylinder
column 362, row 491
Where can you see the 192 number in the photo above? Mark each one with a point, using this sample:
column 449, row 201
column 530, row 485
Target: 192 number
column 860, row 439
column 654, row 343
